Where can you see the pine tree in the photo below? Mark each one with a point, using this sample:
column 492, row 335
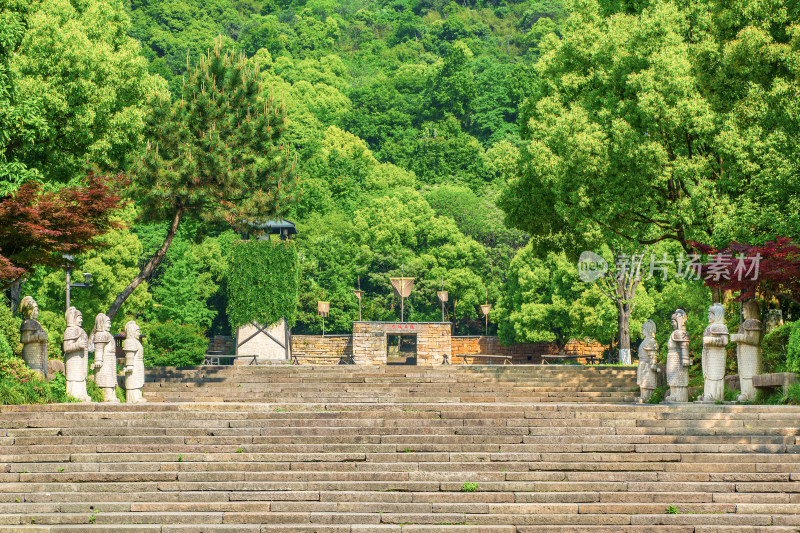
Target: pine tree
column 214, row 154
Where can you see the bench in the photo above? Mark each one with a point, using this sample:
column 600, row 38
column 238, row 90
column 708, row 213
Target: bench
column 590, row 359
column 506, row 358
column 342, row 359
column 777, row 379
column 213, row 359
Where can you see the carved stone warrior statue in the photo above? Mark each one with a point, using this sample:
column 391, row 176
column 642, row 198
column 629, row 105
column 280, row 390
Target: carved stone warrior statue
column 715, row 338
column 76, row 355
column 748, row 349
column 134, row 363
column 33, row 337
column 678, row 360
column 646, row 374
column 105, row 358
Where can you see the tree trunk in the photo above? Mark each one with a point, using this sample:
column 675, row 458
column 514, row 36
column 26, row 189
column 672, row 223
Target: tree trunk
column 624, row 331
column 16, row 295
column 716, row 295
column 148, row 268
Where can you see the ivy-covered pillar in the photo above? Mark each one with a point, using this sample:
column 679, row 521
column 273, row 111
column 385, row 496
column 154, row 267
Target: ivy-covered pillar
column 263, row 292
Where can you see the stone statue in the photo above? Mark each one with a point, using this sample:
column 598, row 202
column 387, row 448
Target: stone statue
column 33, row 337
column 646, row 374
column 748, row 349
column 715, row 338
column 76, row 355
column 678, row 360
column 105, row 358
column 134, row 363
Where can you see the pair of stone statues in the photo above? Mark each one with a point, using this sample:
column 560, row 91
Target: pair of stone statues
column 77, row 345
column 715, row 339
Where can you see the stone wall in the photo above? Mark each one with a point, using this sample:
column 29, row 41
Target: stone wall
column 369, row 341
column 468, row 349
column 319, row 350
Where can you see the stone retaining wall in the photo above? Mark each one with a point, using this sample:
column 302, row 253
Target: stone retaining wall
column 523, row 353
column 316, row 349
column 367, row 346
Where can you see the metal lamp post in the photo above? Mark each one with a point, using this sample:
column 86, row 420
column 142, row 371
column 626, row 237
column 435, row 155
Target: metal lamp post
column 402, row 287
column 87, row 278
column 442, row 295
column 359, row 294
column 323, row 308
column 485, row 308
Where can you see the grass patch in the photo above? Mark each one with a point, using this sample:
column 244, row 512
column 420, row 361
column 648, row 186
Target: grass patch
column 469, row 487
column 671, row 509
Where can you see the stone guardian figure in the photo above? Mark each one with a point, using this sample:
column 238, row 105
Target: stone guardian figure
column 647, row 373
column 134, row 363
column 105, row 358
column 76, row 355
column 33, row 337
column 715, row 338
column 678, row 361
column 748, row 349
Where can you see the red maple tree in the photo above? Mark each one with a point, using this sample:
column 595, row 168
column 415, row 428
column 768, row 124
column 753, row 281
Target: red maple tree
column 37, row 226
column 771, row 269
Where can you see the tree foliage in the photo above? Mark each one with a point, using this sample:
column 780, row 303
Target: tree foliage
column 36, row 227
column 213, row 154
column 72, row 89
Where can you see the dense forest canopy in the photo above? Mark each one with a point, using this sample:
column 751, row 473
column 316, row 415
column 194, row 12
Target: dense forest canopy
column 475, row 145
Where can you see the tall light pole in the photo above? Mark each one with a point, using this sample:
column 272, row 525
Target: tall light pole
column 359, row 294
column 442, row 295
column 485, row 308
column 87, row 278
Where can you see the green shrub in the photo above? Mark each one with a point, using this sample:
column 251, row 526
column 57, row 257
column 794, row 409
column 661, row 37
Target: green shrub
column 94, row 392
column 34, row 390
column 9, row 326
column 793, row 349
column 658, row 395
column 5, row 348
column 469, row 487
column 173, row 344
column 793, row 394
column 774, row 348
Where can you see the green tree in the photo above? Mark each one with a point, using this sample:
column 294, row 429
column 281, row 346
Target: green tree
column 72, row 89
column 656, row 108
column 213, row 154
column 538, row 299
column 451, row 90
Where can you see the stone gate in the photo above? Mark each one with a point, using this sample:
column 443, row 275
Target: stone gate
column 370, row 343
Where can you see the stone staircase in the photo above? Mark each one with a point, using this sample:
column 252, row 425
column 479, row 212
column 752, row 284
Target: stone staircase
column 350, row 465
column 390, row 383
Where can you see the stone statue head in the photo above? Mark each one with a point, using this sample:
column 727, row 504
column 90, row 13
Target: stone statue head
column 679, row 319
column 132, row 330
column 102, row 323
column 716, row 314
column 74, row 317
column 649, row 329
column 751, row 310
column 29, row 308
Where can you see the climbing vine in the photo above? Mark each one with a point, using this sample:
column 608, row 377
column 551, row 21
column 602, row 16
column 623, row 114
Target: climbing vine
column 263, row 282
